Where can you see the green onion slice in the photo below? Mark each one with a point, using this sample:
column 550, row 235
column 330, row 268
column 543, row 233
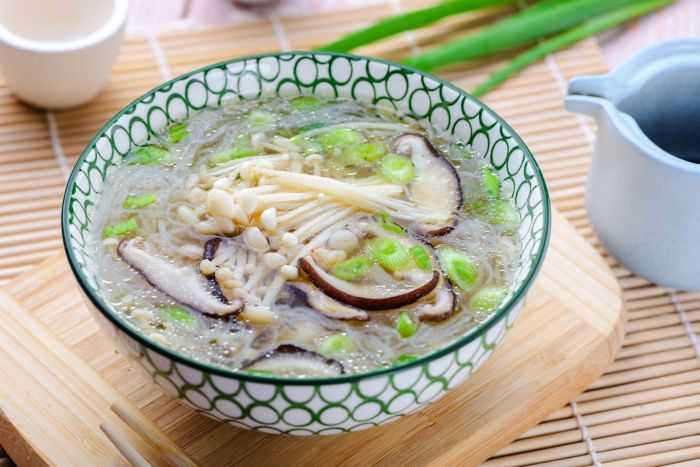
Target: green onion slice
column 177, row 131
column 179, row 315
column 353, row 268
column 490, row 182
column 401, row 359
column 487, row 299
column 388, row 253
column 364, row 153
column 305, row 103
column 115, row 230
column 421, row 258
column 335, row 344
column 405, row 325
column 139, row 202
column 149, row 155
column 396, row 168
column 458, row 266
column 384, row 221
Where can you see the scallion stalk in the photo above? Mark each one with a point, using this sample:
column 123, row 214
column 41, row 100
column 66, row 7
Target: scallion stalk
column 560, row 41
column 405, row 22
column 535, row 22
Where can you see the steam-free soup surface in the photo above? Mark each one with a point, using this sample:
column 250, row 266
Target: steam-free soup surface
column 304, row 237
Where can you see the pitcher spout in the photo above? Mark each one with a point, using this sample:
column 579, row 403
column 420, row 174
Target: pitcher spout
column 589, row 105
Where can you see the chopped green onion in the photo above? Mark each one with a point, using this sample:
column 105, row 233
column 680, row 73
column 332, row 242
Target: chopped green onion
column 311, row 126
column 407, row 21
column 396, row 168
column 459, row 151
column 353, row 268
column 335, row 344
column 122, row 228
column 420, row 256
column 384, row 221
column 487, row 299
column 149, row 155
column 405, row 325
column 305, row 103
column 177, row 131
column 138, row 202
column 458, row 266
column 337, row 139
column 491, row 183
column 241, row 148
column 388, row 253
column 502, row 212
column 590, row 28
column 401, row 359
column 364, row 153
column 180, row 316
column 259, row 118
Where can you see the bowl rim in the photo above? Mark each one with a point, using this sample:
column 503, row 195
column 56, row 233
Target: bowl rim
column 209, row 368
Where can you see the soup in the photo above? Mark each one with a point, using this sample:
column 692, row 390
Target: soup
column 304, row 237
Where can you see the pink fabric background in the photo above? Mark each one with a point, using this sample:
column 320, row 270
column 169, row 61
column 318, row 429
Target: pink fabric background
column 677, row 20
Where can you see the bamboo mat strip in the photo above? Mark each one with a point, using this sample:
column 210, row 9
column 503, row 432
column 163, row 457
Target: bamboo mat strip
column 644, row 410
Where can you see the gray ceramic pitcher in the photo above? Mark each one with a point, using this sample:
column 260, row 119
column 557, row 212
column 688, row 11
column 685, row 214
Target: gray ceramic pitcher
column 643, row 191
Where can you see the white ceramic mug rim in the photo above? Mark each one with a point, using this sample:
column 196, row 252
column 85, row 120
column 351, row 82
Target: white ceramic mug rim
column 116, row 19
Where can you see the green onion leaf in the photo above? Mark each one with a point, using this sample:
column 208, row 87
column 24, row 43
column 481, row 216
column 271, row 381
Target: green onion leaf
column 401, row 359
column 305, row 103
column 490, row 182
column 138, row 202
column 405, row 325
column 115, row 230
column 407, row 21
column 458, row 266
column 420, row 256
column 353, row 268
column 487, row 299
column 337, row 139
column 590, row 28
column 149, row 155
column 396, row 168
column 177, row 131
column 179, row 316
column 336, row 344
column 388, row 253
column 384, row 221
column 535, row 22
column 261, row 118
column 364, row 153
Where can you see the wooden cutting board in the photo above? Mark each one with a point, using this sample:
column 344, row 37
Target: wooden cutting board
column 566, row 337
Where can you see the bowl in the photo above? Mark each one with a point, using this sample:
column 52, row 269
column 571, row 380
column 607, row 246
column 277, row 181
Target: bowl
column 324, row 405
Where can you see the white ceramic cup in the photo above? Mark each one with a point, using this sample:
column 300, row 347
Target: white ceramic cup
column 58, row 53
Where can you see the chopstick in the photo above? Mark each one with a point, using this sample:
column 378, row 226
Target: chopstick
column 131, row 452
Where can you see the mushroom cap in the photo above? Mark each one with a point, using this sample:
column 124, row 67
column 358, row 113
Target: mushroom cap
column 437, row 183
column 290, row 358
column 363, row 296
column 181, row 283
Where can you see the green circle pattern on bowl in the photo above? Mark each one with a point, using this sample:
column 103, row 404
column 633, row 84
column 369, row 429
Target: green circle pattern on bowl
column 312, row 406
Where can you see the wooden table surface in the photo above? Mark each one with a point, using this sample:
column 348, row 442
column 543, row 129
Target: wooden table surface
column 678, row 20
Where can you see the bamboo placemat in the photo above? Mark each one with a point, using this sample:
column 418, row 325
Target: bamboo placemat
column 644, row 411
